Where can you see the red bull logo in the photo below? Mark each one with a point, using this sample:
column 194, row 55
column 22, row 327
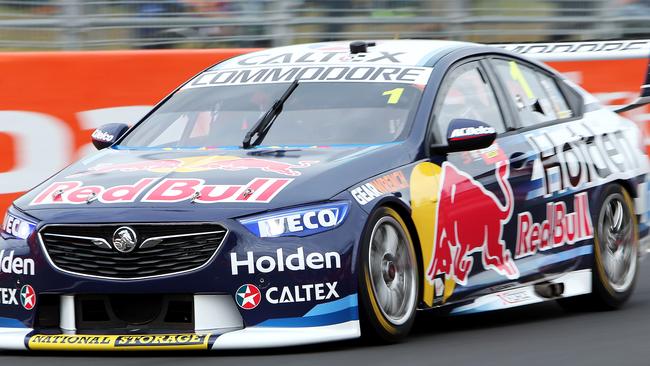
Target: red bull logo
column 471, row 220
column 202, row 163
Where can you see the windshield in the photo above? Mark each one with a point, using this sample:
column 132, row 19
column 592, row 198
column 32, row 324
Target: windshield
column 315, row 114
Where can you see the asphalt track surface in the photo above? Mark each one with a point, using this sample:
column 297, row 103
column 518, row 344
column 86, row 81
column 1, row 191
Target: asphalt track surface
column 541, row 334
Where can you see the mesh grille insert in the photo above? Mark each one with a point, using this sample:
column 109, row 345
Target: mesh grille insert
column 161, row 249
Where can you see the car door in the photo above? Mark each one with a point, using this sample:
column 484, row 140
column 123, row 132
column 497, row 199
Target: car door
column 476, row 198
column 552, row 213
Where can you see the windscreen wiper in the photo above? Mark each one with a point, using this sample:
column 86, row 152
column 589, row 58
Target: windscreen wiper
column 262, row 126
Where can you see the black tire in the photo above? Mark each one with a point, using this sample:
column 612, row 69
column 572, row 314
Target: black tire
column 606, row 294
column 379, row 322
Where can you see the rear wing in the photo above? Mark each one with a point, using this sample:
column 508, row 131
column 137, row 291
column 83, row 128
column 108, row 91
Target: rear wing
column 593, row 51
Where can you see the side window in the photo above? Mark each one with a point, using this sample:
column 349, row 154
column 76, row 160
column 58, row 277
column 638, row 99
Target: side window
column 535, row 95
column 466, row 93
column 558, row 101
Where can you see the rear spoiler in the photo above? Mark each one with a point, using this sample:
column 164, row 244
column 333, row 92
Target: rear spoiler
column 590, row 51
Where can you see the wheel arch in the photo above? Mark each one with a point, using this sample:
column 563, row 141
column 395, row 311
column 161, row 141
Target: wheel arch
column 596, row 193
column 374, row 323
column 627, row 185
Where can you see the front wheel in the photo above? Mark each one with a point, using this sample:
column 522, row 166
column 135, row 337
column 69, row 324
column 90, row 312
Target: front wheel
column 388, row 277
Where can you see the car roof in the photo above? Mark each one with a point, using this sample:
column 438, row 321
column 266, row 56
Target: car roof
column 393, row 52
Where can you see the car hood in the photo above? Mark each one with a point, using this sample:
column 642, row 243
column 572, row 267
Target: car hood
column 235, row 181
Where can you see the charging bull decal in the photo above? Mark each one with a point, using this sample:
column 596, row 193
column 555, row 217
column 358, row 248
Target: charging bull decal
column 470, row 220
column 200, row 164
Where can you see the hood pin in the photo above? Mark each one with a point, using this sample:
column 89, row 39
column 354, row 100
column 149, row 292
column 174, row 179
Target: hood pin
column 57, row 193
column 91, row 197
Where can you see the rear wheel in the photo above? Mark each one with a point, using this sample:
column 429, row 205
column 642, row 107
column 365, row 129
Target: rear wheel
column 616, row 248
column 388, row 277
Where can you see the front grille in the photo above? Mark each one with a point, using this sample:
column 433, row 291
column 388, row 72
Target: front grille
column 161, row 249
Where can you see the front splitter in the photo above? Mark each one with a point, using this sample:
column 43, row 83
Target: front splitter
column 251, row 337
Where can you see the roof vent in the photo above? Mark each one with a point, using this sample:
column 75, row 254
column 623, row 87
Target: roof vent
column 360, row 46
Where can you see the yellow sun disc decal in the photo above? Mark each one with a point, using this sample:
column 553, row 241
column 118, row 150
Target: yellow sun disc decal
column 425, row 183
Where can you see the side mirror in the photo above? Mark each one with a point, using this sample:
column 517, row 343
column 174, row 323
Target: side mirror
column 106, row 135
column 466, row 135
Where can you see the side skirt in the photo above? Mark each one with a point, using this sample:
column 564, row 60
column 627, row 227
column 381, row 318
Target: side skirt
column 571, row 284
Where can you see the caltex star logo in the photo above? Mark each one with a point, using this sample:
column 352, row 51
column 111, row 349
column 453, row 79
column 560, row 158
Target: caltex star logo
column 248, row 296
column 27, row 297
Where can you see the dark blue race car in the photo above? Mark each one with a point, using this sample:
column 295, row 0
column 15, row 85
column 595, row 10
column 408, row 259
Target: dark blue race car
column 321, row 192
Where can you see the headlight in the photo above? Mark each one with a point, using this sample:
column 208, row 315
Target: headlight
column 16, row 226
column 302, row 221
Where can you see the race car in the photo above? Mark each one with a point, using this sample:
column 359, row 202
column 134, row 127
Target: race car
column 321, row 192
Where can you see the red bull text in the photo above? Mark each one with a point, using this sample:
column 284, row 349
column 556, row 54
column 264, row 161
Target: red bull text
column 258, row 190
column 557, row 229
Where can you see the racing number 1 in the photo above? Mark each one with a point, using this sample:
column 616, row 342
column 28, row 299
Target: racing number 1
column 394, row 95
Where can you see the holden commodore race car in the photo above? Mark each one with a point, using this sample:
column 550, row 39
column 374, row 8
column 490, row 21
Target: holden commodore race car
column 319, row 192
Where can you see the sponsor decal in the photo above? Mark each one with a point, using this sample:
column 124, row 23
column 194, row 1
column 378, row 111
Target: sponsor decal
column 467, row 132
column 160, row 340
column 490, row 155
column 378, row 187
column 515, row 296
column 201, row 164
column 293, row 262
column 27, row 297
column 68, row 339
column 287, row 74
column 471, row 220
column 10, row 296
column 302, row 293
column 385, row 53
column 298, row 222
column 323, row 55
column 559, row 228
column 102, row 136
column 580, row 160
column 258, row 190
column 118, row 342
column 248, row 296
column 75, row 193
column 577, row 47
column 17, row 227
column 15, row 265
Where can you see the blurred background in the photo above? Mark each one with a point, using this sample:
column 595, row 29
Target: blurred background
column 140, row 24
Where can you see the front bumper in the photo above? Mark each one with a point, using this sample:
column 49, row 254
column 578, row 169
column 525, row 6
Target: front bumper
column 294, row 305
